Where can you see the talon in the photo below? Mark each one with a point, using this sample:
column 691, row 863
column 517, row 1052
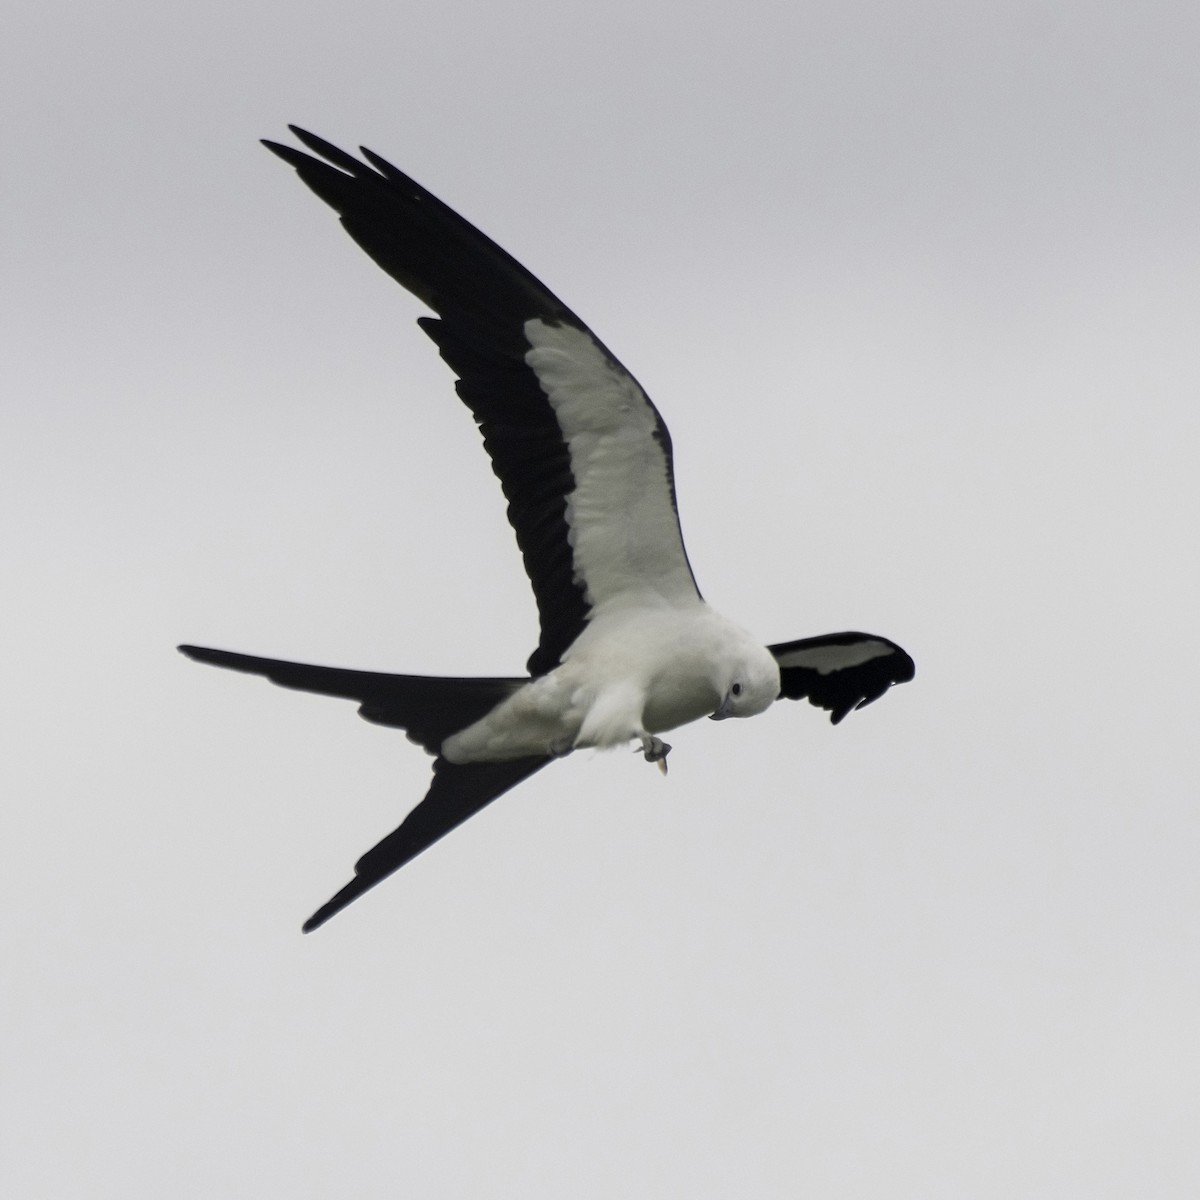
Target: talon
column 655, row 750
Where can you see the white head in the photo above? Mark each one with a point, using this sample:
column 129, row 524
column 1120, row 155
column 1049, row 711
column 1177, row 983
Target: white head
column 747, row 681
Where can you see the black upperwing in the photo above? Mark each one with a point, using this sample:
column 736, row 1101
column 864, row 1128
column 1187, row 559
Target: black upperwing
column 840, row 672
column 483, row 298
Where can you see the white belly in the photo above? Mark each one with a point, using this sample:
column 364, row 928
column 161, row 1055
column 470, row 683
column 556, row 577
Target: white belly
column 628, row 675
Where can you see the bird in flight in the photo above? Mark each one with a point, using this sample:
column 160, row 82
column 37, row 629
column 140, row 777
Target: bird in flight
column 628, row 649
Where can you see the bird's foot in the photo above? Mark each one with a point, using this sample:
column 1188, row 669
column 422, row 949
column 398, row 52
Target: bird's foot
column 562, row 747
column 656, row 750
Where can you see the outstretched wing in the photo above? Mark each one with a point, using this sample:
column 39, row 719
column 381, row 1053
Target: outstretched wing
column 428, row 708
column 456, row 793
column 840, row 672
column 581, row 453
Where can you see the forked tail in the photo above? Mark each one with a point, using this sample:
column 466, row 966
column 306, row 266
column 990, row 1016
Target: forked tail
column 429, row 708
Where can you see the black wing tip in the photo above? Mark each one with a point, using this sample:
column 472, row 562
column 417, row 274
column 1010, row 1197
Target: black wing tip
column 317, row 144
column 332, row 154
column 289, row 154
column 841, row 688
column 840, row 713
column 905, row 669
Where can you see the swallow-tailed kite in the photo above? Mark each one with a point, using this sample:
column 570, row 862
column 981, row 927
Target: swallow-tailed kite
column 628, row 648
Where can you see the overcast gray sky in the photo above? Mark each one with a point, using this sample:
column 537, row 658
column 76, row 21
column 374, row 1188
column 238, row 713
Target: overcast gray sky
column 916, row 288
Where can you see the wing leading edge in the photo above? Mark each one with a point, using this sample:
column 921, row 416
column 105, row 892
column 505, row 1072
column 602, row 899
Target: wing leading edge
column 552, row 414
column 585, row 464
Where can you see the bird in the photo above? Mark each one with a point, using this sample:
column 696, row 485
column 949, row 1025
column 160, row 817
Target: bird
column 627, row 649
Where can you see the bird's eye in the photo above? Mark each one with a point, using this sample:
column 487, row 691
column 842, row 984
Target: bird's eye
column 736, row 690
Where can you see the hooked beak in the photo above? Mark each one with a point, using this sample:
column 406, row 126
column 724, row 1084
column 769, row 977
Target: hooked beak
column 723, row 711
